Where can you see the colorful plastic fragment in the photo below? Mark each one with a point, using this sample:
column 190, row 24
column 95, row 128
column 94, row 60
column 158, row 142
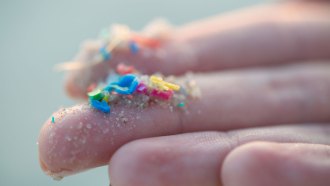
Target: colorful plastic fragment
column 134, row 47
column 181, row 104
column 163, row 85
column 105, row 54
column 53, row 119
column 142, row 88
column 166, row 95
column 96, row 94
column 126, row 85
column 106, row 98
column 157, row 81
column 148, row 42
column 125, row 69
column 100, row 105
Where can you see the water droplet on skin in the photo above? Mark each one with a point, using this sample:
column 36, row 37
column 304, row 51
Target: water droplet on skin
column 89, row 126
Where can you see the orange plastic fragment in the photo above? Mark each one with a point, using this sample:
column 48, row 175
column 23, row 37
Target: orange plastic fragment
column 144, row 41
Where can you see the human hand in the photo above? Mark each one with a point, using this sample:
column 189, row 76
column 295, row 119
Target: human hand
column 288, row 105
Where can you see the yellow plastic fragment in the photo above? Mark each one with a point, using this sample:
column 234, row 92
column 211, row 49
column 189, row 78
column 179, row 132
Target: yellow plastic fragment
column 163, row 85
column 106, row 98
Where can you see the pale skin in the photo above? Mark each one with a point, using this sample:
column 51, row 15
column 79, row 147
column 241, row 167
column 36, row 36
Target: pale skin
column 263, row 118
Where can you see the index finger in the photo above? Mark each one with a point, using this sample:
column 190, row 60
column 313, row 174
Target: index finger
column 81, row 138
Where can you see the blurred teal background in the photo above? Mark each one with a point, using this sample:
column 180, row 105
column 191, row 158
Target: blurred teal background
column 37, row 34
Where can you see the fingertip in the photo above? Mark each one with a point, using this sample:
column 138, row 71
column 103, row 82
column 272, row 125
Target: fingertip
column 69, row 144
column 246, row 164
column 51, row 149
column 265, row 163
column 81, row 138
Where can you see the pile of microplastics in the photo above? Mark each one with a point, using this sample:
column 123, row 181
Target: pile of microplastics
column 130, row 88
column 121, row 37
column 127, row 86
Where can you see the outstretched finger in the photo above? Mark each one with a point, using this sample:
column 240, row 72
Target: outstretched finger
column 82, row 137
column 266, row 35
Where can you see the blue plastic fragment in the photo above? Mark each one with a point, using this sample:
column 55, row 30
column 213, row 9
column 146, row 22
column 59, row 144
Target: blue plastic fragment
column 134, row 47
column 127, row 84
column 100, row 105
column 104, row 53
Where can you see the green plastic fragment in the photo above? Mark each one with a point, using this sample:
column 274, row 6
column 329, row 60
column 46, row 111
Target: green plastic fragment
column 96, row 94
column 181, row 104
column 53, row 119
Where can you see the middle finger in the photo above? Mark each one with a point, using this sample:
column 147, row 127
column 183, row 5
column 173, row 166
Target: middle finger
column 82, row 138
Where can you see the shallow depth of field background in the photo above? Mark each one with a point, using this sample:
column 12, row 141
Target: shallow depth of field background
column 37, row 34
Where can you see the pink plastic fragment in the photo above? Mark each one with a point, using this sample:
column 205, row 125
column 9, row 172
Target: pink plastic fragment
column 123, row 69
column 166, row 95
column 142, row 88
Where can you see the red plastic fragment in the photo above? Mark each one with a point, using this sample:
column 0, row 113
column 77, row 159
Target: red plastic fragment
column 166, row 95
column 125, row 69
